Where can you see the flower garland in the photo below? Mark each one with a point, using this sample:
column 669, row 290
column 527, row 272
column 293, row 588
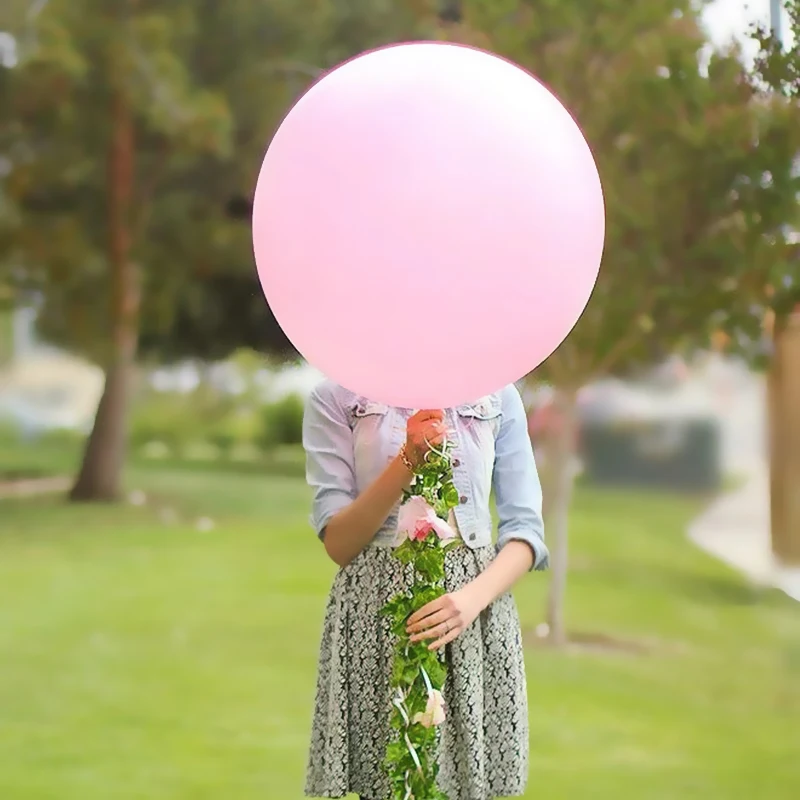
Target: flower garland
column 418, row 673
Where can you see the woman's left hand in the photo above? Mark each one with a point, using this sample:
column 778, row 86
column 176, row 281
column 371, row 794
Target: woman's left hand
column 445, row 618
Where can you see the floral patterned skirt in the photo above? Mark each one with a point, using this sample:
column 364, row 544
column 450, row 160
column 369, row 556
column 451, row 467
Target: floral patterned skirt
column 484, row 739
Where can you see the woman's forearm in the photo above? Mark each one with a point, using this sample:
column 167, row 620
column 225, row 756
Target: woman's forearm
column 354, row 527
column 513, row 561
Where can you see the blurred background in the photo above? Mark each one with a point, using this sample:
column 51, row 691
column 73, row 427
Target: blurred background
column 161, row 592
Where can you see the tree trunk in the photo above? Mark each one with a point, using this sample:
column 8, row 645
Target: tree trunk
column 561, row 480
column 784, row 414
column 100, row 476
column 546, row 479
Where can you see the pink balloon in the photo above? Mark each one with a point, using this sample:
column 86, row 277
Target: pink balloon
column 428, row 224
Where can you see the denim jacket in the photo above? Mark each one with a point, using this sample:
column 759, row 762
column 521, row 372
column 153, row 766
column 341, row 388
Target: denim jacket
column 350, row 440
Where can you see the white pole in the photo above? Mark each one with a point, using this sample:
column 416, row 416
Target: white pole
column 775, row 11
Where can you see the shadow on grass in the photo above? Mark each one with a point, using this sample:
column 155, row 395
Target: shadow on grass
column 592, row 643
column 704, row 588
column 727, row 591
column 718, row 590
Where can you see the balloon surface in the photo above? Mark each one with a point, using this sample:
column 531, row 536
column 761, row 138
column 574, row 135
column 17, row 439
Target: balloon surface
column 428, row 224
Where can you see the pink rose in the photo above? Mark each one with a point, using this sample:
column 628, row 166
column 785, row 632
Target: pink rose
column 416, row 519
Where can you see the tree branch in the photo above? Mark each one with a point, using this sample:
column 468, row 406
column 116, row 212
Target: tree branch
column 298, row 67
column 625, row 342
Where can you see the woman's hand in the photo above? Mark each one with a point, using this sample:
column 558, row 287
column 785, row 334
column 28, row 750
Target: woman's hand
column 423, row 430
column 445, row 618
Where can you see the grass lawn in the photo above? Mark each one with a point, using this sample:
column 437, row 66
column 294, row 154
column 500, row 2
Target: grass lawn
column 143, row 658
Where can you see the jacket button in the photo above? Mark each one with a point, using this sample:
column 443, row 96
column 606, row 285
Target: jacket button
column 456, row 463
column 463, row 499
column 472, row 537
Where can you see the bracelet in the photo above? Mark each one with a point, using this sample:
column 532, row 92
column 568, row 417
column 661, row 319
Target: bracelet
column 406, row 460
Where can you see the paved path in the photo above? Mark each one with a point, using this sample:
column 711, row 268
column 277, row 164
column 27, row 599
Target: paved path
column 736, row 530
column 34, row 486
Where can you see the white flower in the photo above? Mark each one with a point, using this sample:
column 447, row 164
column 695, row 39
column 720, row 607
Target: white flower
column 434, row 710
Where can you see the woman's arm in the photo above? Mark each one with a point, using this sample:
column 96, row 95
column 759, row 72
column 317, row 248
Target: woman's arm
column 344, row 520
column 352, row 529
column 512, row 562
column 517, row 488
column 520, row 539
column 444, row 619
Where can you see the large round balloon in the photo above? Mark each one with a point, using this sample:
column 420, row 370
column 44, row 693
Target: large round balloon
column 428, row 224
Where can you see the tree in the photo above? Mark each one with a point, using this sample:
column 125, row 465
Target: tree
column 104, row 109
column 777, row 73
column 224, row 309
column 682, row 153
column 130, row 137
column 214, row 317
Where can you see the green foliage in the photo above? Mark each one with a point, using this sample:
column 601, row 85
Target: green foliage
column 776, row 66
column 416, row 670
column 239, row 427
column 6, row 336
column 682, row 153
column 57, row 134
column 179, row 420
column 209, row 82
column 777, row 71
column 434, row 481
column 272, row 52
column 9, row 432
column 282, row 422
column 165, row 418
column 60, row 438
column 698, row 174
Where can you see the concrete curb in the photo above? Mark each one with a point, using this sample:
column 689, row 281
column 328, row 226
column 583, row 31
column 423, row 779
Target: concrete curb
column 735, row 529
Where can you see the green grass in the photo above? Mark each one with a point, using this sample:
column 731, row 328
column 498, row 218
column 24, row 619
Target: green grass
column 61, row 456
column 148, row 659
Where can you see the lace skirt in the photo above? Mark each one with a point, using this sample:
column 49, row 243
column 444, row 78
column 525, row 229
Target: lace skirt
column 484, row 738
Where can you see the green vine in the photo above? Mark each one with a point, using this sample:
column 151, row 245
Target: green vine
column 418, row 672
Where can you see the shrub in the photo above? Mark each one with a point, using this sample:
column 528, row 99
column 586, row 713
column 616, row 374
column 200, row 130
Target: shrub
column 63, row 437
column 237, row 429
column 164, row 417
column 9, row 432
column 282, row 422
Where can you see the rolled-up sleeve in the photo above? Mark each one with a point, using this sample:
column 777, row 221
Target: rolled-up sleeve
column 328, row 442
column 517, row 488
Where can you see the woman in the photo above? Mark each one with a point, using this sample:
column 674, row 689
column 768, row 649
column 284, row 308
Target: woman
column 360, row 457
